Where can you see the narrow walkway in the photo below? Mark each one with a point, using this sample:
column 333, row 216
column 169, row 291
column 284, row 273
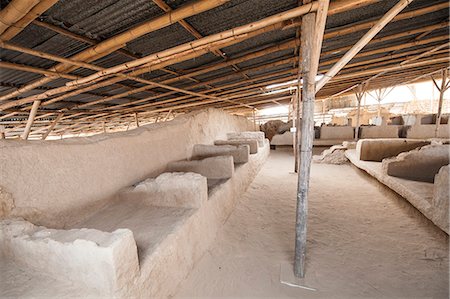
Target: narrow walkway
column 363, row 241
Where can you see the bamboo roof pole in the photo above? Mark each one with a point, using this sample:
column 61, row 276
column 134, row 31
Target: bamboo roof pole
column 233, row 33
column 250, row 86
column 363, row 41
column 14, row 11
column 134, row 73
column 35, row 70
column 129, row 35
column 30, row 121
column 178, row 50
column 218, row 52
column 84, row 39
column 82, row 64
column 359, row 55
column 207, row 91
column 330, row 10
column 62, row 89
column 168, row 109
column 201, row 103
column 353, row 28
column 77, row 37
column 35, row 12
column 52, row 126
column 348, row 89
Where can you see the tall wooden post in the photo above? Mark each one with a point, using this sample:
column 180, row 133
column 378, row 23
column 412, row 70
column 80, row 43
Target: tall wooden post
column 254, row 120
column 359, row 95
column 296, row 128
column 307, row 131
column 312, row 30
column 2, row 132
column 323, row 111
column 30, row 121
column 444, row 86
column 136, row 119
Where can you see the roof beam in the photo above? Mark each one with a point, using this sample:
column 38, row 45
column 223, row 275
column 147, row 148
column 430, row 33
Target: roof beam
column 34, row 13
column 121, row 39
column 362, row 42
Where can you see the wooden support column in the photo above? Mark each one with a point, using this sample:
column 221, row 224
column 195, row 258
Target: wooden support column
column 308, row 95
column 312, row 30
column 30, row 121
column 359, row 95
column 295, row 128
column 444, row 86
column 136, row 119
column 2, row 132
column 323, row 110
column 52, row 126
column 254, row 120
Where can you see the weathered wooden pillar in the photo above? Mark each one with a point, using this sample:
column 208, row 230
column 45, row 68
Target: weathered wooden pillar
column 312, row 31
column 442, row 90
column 359, row 95
column 295, row 127
column 30, row 121
column 254, row 120
column 2, row 132
column 136, row 119
column 307, row 136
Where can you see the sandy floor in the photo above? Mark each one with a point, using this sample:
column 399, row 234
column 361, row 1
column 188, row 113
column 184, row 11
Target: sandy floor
column 363, row 241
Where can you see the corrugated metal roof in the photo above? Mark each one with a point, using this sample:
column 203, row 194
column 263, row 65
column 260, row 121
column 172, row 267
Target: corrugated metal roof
column 100, row 20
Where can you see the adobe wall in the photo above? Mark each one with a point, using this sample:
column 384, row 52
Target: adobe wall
column 54, row 183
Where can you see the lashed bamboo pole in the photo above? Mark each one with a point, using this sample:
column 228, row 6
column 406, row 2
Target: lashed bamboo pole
column 242, row 95
column 353, row 28
column 52, row 126
column 195, row 104
column 233, row 33
column 124, row 37
column 14, row 11
column 363, row 42
column 77, row 37
column 30, row 121
column 336, row 8
column 89, row 41
column 363, row 54
column 26, row 68
column 35, row 12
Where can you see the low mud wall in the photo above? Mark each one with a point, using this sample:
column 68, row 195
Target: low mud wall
column 54, row 183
